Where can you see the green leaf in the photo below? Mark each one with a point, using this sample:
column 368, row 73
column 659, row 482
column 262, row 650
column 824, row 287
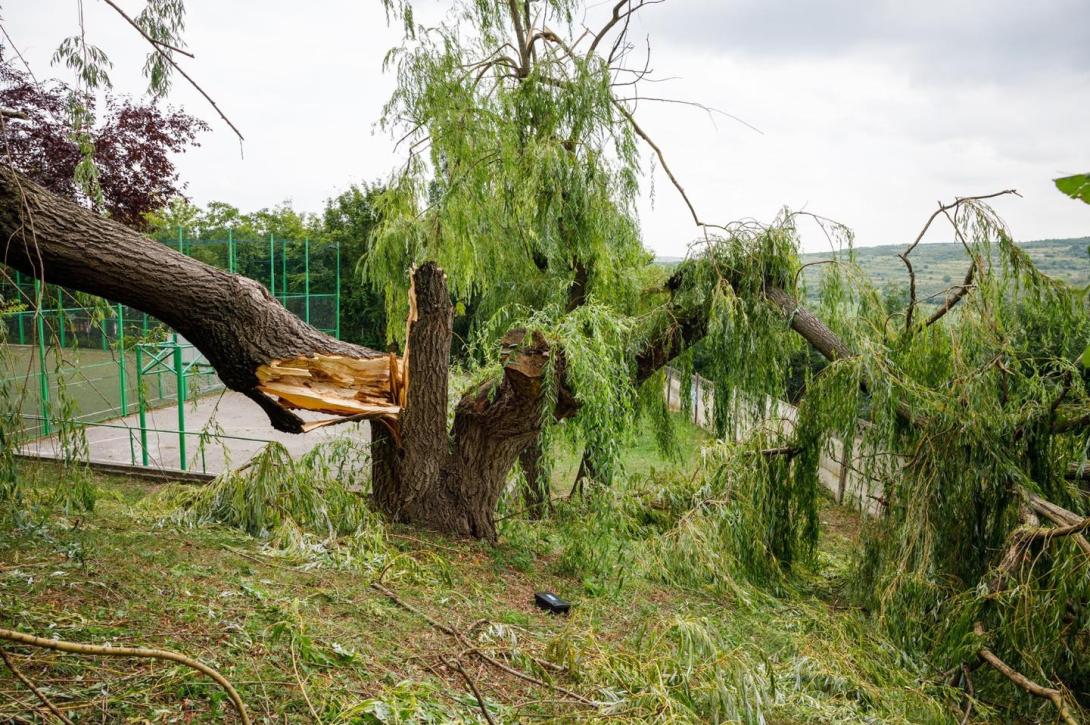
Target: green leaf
column 1084, row 359
column 1077, row 186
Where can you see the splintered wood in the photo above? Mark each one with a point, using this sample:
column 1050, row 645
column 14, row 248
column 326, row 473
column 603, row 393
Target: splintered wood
column 352, row 388
column 335, row 384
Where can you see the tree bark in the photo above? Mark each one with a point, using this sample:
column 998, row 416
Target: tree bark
column 535, row 491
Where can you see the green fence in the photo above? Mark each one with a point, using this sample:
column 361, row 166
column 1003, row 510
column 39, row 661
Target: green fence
column 71, row 359
column 304, row 276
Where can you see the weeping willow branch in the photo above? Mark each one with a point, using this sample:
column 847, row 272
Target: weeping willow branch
column 1067, row 522
column 638, row 130
column 107, row 651
column 1078, row 471
column 166, row 56
column 944, row 209
column 952, row 300
column 1048, row 693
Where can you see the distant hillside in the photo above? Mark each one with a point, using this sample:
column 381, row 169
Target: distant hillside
column 940, row 265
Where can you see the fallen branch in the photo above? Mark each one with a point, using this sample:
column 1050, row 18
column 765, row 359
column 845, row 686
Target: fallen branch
column 37, row 693
column 1078, row 471
column 1048, row 693
column 107, row 651
column 471, row 649
column 457, row 666
column 1067, row 522
column 302, row 687
column 949, row 303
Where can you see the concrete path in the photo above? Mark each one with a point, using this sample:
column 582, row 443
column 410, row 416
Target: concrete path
column 235, row 430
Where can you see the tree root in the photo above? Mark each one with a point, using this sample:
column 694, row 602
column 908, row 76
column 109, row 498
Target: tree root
column 37, row 693
column 89, row 649
column 1048, row 693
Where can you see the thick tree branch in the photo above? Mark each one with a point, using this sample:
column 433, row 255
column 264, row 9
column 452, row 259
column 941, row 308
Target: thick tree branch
column 256, row 345
column 1048, row 693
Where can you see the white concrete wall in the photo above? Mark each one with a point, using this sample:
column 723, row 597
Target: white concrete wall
column 846, row 482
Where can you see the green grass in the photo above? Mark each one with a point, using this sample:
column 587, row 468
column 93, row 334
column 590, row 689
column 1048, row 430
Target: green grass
column 287, row 624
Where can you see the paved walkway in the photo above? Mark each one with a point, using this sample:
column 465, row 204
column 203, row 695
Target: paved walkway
column 235, row 430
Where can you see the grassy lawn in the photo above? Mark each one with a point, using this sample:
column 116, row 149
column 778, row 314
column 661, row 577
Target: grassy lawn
column 305, row 637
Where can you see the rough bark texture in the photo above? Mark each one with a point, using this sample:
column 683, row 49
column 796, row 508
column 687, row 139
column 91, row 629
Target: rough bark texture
column 457, row 489
column 535, row 491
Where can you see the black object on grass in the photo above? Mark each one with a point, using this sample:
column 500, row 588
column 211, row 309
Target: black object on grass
column 551, row 603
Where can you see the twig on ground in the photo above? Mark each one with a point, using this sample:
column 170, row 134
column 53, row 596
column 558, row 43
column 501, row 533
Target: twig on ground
column 108, row 651
column 470, row 649
column 37, row 693
column 302, row 687
column 457, row 666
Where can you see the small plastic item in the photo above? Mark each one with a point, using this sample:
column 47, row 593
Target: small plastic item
column 551, row 603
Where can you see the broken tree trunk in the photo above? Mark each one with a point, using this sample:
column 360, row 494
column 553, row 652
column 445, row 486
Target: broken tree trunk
column 452, row 483
column 422, row 474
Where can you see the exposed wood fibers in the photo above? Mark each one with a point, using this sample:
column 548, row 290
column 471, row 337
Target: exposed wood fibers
column 334, row 384
column 355, row 389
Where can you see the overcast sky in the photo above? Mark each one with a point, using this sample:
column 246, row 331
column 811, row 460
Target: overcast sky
column 870, row 112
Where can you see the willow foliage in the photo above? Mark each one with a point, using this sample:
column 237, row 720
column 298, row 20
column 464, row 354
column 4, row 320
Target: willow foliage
column 957, row 422
column 519, row 181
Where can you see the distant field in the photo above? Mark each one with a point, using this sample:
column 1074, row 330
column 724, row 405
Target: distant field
column 938, row 266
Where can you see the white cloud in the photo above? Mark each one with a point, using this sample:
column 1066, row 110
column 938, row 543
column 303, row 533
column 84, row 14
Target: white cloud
column 870, row 112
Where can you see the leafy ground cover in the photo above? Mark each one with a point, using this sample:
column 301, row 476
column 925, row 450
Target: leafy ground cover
column 390, row 624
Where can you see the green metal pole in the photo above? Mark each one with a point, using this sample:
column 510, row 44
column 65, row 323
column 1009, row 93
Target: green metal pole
column 140, row 404
column 121, row 380
column 179, row 373
column 284, row 271
column 60, row 315
column 272, row 266
column 181, row 241
column 230, row 251
column 43, row 371
column 306, row 277
column 19, row 315
column 337, row 298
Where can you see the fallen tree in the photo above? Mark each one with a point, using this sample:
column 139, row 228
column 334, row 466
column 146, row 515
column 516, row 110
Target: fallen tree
column 424, row 473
